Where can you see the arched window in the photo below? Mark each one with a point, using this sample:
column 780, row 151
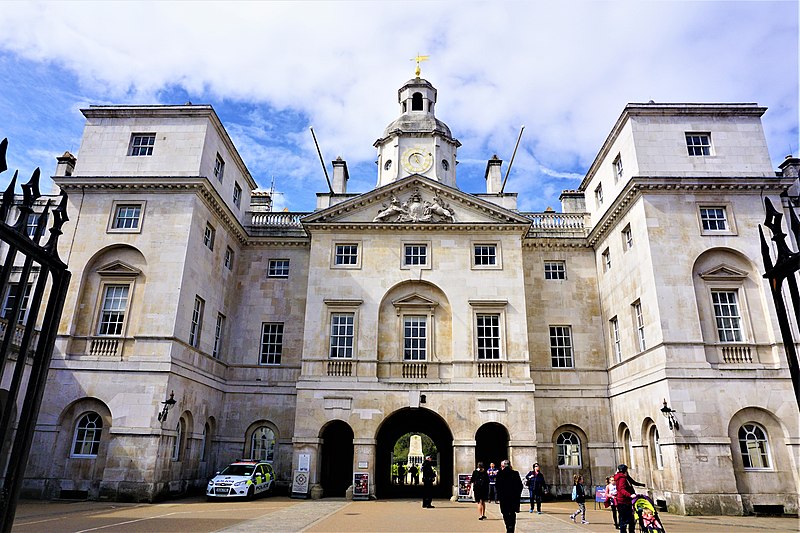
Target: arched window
column 569, row 450
column 203, row 438
column 416, row 102
column 176, row 446
column 263, row 444
column 656, row 446
column 628, row 444
column 445, row 165
column 754, row 446
column 86, row 441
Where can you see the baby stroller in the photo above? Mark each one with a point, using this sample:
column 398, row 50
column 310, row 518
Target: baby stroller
column 647, row 515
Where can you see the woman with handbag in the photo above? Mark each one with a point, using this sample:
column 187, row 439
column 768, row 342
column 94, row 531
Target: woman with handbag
column 479, row 484
column 537, row 487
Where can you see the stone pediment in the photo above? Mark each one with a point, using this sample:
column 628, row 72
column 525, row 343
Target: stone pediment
column 414, row 301
column 119, row 269
column 723, row 272
column 415, row 200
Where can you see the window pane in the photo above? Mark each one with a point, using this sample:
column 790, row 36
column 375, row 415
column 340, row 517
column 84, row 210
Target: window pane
column 263, row 444
column 112, row 313
column 415, row 338
column 271, row 343
column 561, row 346
column 342, row 335
column 87, row 435
column 488, row 329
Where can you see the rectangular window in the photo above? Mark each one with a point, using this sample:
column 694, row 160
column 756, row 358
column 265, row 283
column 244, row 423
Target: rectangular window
column 271, row 343
column 342, row 333
column 346, row 254
column 12, row 293
column 237, row 195
column 639, row 317
column 561, row 346
column 219, row 327
column 726, row 314
column 617, row 168
column 615, row 341
column 142, row 144
column 598, row 194
column 698, row 143
column 31, row 223
column 278, row 268
column 555, row 270
column 208, row 236
column 627, row 238
column 714, row 218
column 112, row 312
column 485, row 255
column 219, row 167
column 415, row 338
column 197, row 322
column 228, row 261
column 606, row 260
column 126, row 216
column 488, row 329
column 415, row 254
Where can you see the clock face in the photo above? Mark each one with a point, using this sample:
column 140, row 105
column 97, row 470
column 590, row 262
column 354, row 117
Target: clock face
column 417, row 160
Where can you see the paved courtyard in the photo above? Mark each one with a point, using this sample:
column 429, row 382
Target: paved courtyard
column 282, row 514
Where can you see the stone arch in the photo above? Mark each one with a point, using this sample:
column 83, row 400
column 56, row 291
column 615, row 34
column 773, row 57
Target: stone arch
column 564, row 447
column 250, row 434
column 336, row 464
column 405, row 297
column 652, row 438
column 727, row 274
column 763, row 486
column 625, row 438
column 491, row 444
column 416, row 102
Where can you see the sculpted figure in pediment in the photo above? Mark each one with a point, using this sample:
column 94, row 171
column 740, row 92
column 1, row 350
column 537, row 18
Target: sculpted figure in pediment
column 415, row 210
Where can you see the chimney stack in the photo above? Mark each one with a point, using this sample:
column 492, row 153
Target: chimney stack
column 65, row 165
column 340, row 176
column 494, row 180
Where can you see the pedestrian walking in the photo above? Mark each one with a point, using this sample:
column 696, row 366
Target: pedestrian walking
column 625, row 492
column 492, row 472
column 428, row 477
column 509, row 488
column 579, row 497
column 480, row 489
column 535, row 482
column 611, row 499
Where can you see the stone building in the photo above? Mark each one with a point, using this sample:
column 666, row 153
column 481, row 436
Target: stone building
column 318, row 339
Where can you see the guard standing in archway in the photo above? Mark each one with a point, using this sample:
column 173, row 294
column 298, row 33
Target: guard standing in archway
column 428, row 477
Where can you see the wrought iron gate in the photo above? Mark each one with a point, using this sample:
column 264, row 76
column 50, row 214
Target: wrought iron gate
column 27, row 338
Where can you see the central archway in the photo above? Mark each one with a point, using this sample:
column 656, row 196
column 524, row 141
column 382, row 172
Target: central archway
column 413, row 420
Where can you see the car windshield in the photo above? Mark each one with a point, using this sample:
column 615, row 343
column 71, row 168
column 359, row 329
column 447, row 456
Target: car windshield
column 237, row 470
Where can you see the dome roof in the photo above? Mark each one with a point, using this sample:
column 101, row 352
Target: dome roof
column 417, row 123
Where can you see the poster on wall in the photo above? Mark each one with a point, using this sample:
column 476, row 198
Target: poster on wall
column 464, row 481
column 360, row 485
column 300, row 484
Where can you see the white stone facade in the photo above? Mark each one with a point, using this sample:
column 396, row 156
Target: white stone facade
column 548, row 337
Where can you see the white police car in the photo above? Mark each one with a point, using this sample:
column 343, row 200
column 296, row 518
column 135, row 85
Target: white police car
column 242, row 479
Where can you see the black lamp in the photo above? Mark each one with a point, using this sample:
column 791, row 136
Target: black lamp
column 669, row 414
column 167, row 405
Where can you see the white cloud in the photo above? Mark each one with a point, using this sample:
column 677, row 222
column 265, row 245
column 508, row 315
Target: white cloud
column 564, row 69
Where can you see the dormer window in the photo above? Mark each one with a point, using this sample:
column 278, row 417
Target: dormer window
column 416, row 102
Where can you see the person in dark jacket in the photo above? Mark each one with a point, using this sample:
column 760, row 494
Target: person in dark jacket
column 536, row 485
column 428, row 477
column 579, row 497
column 480, row 489
column 509, row 490
column 625, row 492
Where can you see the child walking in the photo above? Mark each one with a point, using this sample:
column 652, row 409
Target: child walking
column 579, row 497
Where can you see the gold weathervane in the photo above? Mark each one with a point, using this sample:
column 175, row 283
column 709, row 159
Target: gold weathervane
column 419, row 59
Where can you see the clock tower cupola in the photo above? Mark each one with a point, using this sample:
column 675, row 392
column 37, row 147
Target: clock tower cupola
column 417, row 142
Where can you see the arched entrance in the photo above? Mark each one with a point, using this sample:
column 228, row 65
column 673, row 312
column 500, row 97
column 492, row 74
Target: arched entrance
column 337, row 458
column 491, row 444
column 420, row 421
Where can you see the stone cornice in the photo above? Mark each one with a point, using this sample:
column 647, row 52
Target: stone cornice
column 555, row 242
column 640, row 185
column 422, row 227
column 267, row 242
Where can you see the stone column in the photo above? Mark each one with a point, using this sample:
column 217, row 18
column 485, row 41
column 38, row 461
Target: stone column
column 364, row 454
column 311, row 446
column 463, row 462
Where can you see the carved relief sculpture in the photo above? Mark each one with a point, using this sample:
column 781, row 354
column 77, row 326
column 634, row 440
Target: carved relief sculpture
column 415, row 209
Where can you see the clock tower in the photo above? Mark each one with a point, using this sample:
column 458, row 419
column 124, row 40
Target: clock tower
column 417, row 142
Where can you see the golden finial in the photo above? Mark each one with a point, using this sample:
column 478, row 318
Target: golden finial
column 419, row 59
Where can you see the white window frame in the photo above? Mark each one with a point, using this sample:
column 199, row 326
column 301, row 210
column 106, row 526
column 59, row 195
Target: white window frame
column 31, row 224
column 415, row 337
column 730, row 323
column 80, row 436
column 259, row 441
column 638, row 317
column 104, row 287
column 567, row 450
column 342, row 246
column 342, row 350
column 209, row 234
column 488, row 346
column 425, row 246
column 278, row 268
column 489, row 307
column 605, row 258
column 561, row 352
column 116, row 207
column 627, row 238
column 26, row 299
column 618, row 170
column 219, row 331
column 337, row 308
column 228, row 259
column 237, row 195
column 657, row 451
column 141, row 144
column 555, row 269
column 476, row 254
column 219, row 167
column 271, row 351
column 695, row 144
column 598, row 194
column 176, row 445
column 616, row 341
column 746, row 452
column 196, row 324
column 727, row 218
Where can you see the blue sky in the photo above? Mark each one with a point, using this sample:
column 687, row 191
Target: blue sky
column 272, row 69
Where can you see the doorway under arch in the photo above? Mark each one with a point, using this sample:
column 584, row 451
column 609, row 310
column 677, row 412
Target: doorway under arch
column 336, row 470
column 423, row 422
column 491, row 444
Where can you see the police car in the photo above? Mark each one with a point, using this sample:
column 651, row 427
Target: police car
column 242, row 479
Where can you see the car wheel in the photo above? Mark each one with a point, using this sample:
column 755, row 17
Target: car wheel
column 271, row 490
column 251, row 493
